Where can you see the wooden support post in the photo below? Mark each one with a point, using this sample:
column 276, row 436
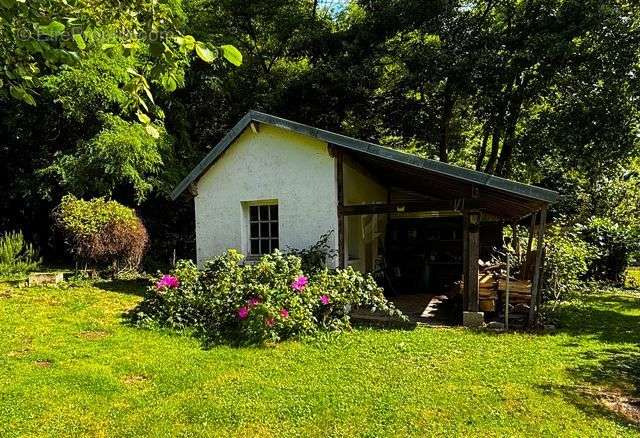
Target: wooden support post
column 340, row 189
column 541, row 282
column 465, row 261
column 535, row 284
column 506, row 294
column 471, row 255
column 525, row 269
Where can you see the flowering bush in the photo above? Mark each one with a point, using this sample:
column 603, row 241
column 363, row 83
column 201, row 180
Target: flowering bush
column 271, row 300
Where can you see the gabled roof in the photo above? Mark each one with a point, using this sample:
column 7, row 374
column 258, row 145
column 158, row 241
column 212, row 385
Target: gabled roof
column 372, row 152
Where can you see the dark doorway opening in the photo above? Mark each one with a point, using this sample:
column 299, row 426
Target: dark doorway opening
column 424, row 255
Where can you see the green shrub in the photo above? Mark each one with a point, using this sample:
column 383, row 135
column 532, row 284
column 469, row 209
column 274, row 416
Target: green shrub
column 103, row 232
column 315, row 257
column 228, row 302
column 567, row 259
column 16, row 255
column 614, row 244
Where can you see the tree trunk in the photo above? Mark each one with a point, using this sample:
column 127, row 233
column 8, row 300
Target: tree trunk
column 483, row 148
column 445, row 123
column 515, row 109
column 506, row 152
column 495, row 145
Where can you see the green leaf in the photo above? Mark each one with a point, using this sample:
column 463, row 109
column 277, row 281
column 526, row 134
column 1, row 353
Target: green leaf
column 21, row 94
column 189, row 42
column 169, row 83
column 145, row 119
column 147, row 90
column 205, row 53
column 55, row 28
column 79, row 41
column 7, row 4
column 152, row 131
column 232, row 54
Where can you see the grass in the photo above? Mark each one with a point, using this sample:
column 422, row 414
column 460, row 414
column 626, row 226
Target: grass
column 633, row 276
column 69, row 366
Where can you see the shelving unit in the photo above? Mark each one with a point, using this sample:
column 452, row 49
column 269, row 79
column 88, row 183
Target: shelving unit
column 424, row 255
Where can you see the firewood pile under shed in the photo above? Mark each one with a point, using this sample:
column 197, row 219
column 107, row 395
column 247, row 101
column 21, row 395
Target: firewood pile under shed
column 493, row 288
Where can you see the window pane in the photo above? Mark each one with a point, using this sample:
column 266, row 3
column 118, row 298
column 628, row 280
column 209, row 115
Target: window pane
column 274, row 244
column 264, row 212
column 264, row 229
column 254, row 230
column 255, row 246
column 274, row 212
column 253, row 213
column 264, row 246
column 274, row 229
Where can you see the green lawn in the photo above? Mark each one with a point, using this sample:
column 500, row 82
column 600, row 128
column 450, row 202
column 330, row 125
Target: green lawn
column 69, row 366
column 633, row 275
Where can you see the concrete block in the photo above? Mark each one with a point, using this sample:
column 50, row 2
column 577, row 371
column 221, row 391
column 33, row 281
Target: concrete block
column 473, row 319
column 44, row 278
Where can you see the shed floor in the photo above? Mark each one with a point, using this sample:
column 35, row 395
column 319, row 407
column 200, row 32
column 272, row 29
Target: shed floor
column 424, row 308
column 434, row 309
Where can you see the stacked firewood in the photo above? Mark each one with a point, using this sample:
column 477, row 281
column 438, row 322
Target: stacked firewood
column 488, row 292
column 493, row 287
column 519, row 291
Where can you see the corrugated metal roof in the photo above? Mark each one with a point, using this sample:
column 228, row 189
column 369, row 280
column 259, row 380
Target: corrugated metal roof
column 371, row 151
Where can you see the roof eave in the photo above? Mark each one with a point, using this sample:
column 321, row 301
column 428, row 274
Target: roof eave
column 451, row 171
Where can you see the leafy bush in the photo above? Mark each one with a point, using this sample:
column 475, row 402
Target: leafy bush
column 251, row 304
column 16, row 255
column 567, row 262
column 614, row 244
column 122, row 155
column 315, row 257
column 103, row 232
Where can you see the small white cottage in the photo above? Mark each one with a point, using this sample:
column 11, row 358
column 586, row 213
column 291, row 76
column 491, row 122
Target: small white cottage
column 273, row 183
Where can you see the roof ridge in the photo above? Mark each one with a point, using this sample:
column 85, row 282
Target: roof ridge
column 363, row 146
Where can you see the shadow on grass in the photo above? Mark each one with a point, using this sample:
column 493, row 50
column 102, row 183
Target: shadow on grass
column 609, row 378
column 129, row 287
column 599, row 402
column 604, row 319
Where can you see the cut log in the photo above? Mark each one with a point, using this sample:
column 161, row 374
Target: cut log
column 515, row 286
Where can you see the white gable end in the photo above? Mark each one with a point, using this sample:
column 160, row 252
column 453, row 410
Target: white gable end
column 271, row 166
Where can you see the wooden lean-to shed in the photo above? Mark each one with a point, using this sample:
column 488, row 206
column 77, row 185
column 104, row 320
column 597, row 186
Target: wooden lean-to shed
column 272, row 183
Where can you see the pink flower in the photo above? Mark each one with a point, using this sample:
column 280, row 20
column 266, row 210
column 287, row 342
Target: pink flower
column 168, row 281
column 243, row 312
column 284, row 313
column 253, row 302
column 269, row 322
column 299, row 283
column 324, row 299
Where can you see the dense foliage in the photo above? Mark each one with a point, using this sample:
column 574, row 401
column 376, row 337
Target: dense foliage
column 567, row 259
column 16, row 255
column 254, row 303
column 103, row 232
column 543, row 91
column 613, row 243
column 317, row 256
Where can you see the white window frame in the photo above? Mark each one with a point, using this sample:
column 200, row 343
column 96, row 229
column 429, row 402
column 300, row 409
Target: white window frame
column 248, row 222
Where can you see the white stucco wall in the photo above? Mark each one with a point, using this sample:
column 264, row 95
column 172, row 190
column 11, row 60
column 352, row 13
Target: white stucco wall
column 273, row 164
